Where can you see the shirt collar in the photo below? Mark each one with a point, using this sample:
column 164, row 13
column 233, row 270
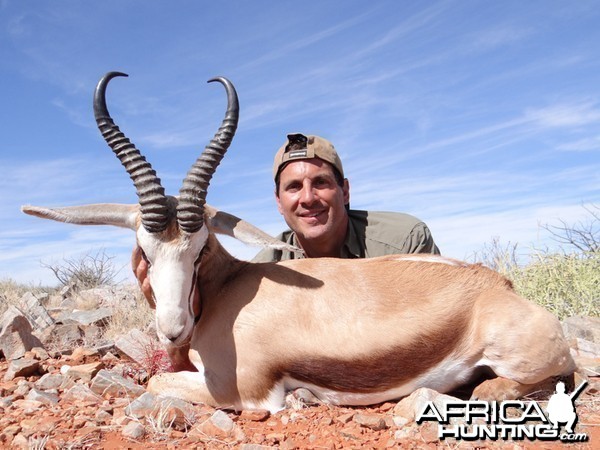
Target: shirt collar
column 350, row 249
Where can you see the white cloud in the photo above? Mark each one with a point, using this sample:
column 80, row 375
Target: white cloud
column 581, row 145
column 565, row 115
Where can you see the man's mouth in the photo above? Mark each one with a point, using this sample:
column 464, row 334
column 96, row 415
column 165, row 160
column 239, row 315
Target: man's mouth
column 311, row 215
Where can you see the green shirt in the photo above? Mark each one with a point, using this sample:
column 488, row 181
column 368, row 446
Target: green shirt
column 370, row 234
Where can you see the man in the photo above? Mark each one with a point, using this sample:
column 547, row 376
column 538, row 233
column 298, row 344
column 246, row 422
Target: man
column 313, row 196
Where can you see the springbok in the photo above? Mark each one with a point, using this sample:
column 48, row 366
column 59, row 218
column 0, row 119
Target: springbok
column 353, row 332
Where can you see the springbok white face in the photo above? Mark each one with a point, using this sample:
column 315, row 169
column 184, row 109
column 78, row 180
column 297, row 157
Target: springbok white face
column 172, row 274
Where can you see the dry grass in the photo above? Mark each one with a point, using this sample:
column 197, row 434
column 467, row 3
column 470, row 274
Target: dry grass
column 11, row 292
column 125, row 318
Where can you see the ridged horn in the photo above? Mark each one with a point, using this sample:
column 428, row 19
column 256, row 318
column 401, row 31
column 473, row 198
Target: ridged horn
column 153, row 202
column 192, row 195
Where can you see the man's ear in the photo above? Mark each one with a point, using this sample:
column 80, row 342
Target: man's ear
column 346, row 190
column 278, row 202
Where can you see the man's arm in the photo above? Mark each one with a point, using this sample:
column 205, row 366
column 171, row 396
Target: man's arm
column 420, row 240
column 267, row 255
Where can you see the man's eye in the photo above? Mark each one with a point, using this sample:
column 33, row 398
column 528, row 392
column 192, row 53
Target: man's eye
column 321, row 183
column 293, row 188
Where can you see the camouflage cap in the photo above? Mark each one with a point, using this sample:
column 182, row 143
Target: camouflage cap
column 300, row 146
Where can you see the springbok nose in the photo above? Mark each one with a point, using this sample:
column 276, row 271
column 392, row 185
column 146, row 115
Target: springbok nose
column 173, row 332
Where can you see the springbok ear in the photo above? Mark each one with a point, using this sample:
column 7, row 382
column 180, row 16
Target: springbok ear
column 119, row 215
column 220, row 222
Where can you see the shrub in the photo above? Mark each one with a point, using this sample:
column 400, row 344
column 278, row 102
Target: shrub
column 565, row 284
column 85, row 272
column 156, row 360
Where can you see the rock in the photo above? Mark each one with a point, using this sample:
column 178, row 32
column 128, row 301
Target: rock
column 142, row 406
column 137, row 346
column 403, row 433
column 42, row 397
column 6, row 402
column 103, row 417
column 92, row 333
column 409, row 407
column 50, row 381
column 37, row 315
column 582, row 327
column 20, row 441
column 288, row 444
column 62, row 336
column 178, row 413
column 11, row 430
column 429, row 432
column 301, row 397
column 109, row 383
column 98, row 317
column 583, row 335
column 84, row 372
column 39, row 425
column 23, row 388
column 584, row 349
column 79, row 354
column 255, row 415
column 219, row 425
column 345, row 418
column 109, row 358
column 166, row 411
column 351, row 432
column 372, row 421
column 400, row 421
column 40, row 353
column 589, row 366
column 134, row 430
column 27, row 407
column 16, row 336
column 110, row 296
column 81, row 392
column 67, row 291
column 23, row 367
column 256, row 447
column 105, row 348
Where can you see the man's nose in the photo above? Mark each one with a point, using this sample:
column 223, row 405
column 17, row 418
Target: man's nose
column 307, row 195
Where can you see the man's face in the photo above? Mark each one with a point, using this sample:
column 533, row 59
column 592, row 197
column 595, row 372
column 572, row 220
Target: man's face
column 311, row 201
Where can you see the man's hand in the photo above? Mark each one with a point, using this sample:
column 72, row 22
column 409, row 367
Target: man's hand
column 140, row 269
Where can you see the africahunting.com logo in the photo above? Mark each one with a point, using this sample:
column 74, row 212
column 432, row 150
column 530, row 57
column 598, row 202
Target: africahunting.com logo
column 516, row 420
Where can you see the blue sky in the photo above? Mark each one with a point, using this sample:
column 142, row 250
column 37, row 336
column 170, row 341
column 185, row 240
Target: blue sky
column 480, row 118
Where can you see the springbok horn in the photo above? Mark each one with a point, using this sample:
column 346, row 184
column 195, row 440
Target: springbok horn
column 153, row 202
column 192, row 195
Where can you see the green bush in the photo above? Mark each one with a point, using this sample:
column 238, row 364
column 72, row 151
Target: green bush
column 565, row 284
